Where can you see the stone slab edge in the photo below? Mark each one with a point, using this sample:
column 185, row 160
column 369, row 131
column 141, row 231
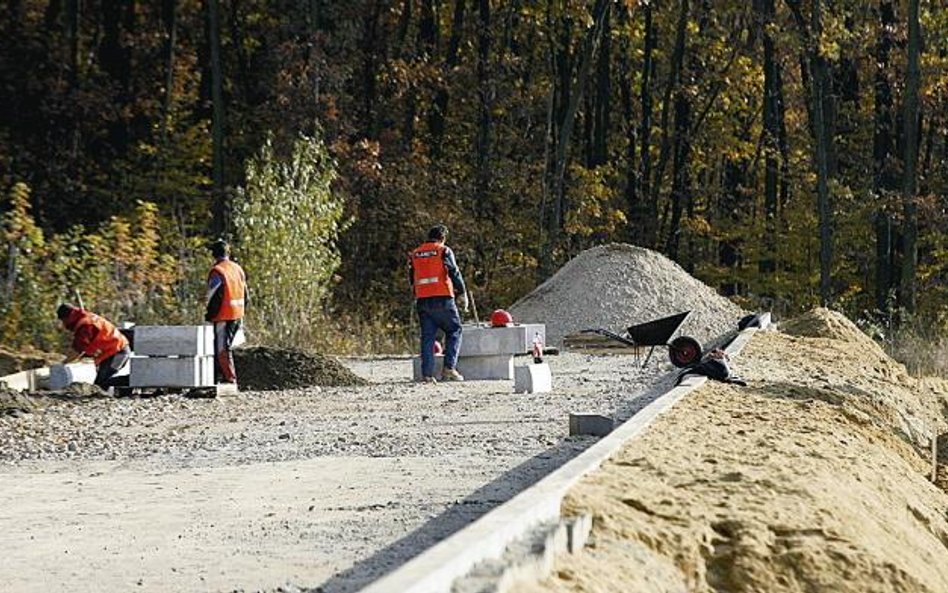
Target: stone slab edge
column 435, row 569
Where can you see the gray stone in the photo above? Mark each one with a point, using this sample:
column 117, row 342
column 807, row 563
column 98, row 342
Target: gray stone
column 590, row 424
column 488, row 341
column 64, row 375
column 191, row 371
column 416, row 366
column 475, row 368
column 533, row 378
column 174, row 340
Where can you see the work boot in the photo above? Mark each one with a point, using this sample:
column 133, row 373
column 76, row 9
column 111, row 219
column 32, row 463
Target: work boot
column 428, row 380
column 451, row 375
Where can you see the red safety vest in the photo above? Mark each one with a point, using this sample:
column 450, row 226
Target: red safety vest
column 430, row 276
column 107, row 342
column 233, row 283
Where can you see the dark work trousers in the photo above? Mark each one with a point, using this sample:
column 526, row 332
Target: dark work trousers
column 111, row 365
column 436, row 313
column 224, row 333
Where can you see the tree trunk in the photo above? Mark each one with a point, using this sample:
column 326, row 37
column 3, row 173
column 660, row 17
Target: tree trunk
column 370, row 69
column 645, row 131
column 219, row 207
column 681, row 179
column 674, row 78
column 72, row 32
column 599, row 152
column 569, row 116
column 625, row 97
column 563, row 133
column 771, row 137
column 818, row 70
column 884, row 180
column 408, row 123
column 440, row 110
column 486, row 99
column 910, row 207
column 170, row 17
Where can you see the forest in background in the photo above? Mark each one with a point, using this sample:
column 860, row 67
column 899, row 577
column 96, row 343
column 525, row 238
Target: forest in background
column 788, row 152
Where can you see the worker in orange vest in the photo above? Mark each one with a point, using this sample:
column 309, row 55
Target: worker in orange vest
column 96, row 337
column 437, row 284
column 227, row 297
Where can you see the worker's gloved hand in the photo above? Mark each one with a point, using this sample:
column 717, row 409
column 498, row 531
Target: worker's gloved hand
column 462, row 302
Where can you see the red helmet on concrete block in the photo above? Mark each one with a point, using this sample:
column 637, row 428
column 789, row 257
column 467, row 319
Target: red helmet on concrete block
column 437, row 349
column 500, row 318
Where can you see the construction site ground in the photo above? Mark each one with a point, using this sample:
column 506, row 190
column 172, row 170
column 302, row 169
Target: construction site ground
column 814, row 477
column 320, row 489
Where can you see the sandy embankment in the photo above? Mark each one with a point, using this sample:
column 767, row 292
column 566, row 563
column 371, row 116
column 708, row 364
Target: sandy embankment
column 813, row 478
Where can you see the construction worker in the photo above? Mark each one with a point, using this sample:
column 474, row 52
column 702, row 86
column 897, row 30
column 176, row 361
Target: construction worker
column 437, row 283
column 96, row 337
column 227, row 297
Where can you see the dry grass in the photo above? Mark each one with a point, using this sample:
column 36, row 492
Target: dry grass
column 921, row 347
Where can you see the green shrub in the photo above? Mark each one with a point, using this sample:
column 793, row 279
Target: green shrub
column 287, row 221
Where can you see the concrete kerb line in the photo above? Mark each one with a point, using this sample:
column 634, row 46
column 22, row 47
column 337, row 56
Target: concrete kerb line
column 435, row 569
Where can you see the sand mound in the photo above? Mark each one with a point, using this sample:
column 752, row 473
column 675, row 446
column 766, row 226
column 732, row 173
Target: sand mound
column 615, row 286
column 263, row 368
column 826, row 323
column 802, row 481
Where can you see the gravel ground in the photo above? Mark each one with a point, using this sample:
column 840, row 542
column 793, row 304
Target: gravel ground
column 320, row 488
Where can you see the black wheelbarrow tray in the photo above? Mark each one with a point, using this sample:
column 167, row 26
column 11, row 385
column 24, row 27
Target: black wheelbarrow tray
column 683, row 351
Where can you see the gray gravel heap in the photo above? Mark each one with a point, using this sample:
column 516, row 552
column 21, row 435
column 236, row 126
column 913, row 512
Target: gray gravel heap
column 264, row 368
column 618, row 285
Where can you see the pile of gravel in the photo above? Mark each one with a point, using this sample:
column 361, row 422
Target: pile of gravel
column 618, row 285
column 263, row 368
column 14, row 403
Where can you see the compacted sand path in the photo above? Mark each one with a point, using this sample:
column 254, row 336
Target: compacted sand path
column 295, row 489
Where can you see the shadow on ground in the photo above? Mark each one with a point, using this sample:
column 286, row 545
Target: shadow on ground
column 480, row 502
column 458, row 516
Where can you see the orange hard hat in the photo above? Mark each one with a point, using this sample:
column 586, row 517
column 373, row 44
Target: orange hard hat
column 500, row 318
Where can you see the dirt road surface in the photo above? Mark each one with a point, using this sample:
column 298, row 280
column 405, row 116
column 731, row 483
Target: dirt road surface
column 321, row 489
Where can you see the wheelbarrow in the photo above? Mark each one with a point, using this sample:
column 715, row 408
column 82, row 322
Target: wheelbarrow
column 683, row 351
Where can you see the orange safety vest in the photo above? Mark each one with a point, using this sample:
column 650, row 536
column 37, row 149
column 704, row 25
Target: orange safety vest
column 430, row 277
column 233, row 283
column 107, row 342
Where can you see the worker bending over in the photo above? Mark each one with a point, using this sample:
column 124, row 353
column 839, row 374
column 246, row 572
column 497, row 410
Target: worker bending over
column 96, row 337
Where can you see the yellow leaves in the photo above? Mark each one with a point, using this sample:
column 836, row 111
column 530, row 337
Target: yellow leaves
column 591, row 195
column 19, row 228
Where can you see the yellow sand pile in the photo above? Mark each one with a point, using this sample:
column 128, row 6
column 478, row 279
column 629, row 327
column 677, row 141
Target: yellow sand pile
column 812, row 478
column 826, row 323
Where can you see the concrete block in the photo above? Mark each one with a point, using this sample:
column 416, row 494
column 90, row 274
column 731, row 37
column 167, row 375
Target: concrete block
column 474, row 368
column 64, row 375
column 191, row 371
column 488, row 341
column 533, row 378
column 174, row 340
column 479, row 368
column 590, row 424
column 416, row 366
column 22, row 381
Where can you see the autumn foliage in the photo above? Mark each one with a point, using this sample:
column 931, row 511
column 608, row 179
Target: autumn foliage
column 763, row 145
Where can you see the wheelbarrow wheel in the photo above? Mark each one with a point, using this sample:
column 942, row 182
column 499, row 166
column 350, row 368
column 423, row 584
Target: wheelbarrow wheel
column 684, row 351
